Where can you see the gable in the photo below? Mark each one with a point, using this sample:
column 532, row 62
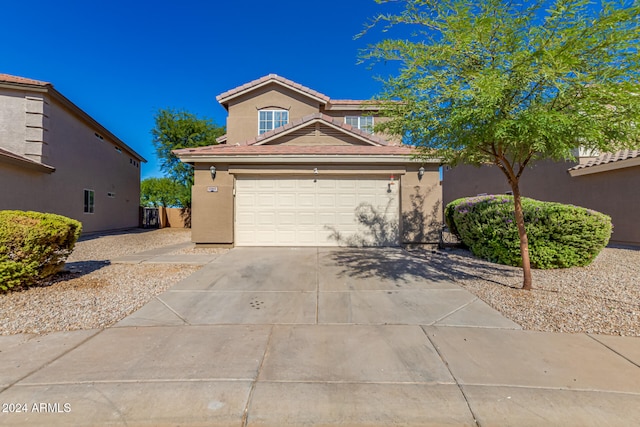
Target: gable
column 317, row 129
column 317, row 134
column 271, row 80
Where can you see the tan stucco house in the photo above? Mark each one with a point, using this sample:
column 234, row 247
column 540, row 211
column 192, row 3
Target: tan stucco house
column 297, row 168
column 55, row 158
column 608, row 183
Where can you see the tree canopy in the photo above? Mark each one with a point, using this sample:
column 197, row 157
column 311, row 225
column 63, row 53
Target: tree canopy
column 165, row 192
column 508, row 83
column 180, row 129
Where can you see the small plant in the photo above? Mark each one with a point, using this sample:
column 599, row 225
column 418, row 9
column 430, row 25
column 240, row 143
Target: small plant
column 33, row 246
column 559, row 235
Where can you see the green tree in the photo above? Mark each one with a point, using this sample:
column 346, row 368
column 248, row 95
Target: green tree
column 165, row 192
column 180, row 129
column 509, row 83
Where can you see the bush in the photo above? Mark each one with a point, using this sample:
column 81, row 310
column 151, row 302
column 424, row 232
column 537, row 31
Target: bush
column 559, row 235
column 33, row 246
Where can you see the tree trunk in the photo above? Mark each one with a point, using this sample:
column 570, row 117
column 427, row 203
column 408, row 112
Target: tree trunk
column 524, row 240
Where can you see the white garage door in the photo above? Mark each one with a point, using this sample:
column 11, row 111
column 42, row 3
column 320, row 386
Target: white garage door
column 320, row 212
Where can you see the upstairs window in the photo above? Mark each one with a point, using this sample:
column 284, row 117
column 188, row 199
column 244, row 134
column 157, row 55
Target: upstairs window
column 271, row 119
column 364, row 123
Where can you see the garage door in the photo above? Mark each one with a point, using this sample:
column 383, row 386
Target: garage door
column 316, row 212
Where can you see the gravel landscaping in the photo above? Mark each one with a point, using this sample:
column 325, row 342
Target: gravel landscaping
column 603, row 298
column 93, row 293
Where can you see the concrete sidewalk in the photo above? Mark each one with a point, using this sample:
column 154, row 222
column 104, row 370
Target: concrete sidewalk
column 291, row 336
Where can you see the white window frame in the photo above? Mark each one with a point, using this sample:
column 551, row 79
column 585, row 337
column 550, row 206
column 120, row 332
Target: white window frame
column 272, row 126
column 359, row 125
column 90, row 204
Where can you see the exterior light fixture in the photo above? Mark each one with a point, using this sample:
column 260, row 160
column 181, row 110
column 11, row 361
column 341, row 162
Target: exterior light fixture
column 212, row 169
column 420, row 172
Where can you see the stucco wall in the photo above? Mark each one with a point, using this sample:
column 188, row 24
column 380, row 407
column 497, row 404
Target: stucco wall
column 242, row 121
column 82, row 161
column 421, row 205
column 212, row 211
column 613, row 193
column 213, row 206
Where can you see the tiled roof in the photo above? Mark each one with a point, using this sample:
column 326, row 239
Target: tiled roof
column 25, row 161
column 7, row 78
column 48, row 88
column 233, row 150
column 609, row 158
column 223, row 97
column 317, row 117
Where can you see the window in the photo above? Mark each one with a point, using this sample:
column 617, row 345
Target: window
column 271, row 119
column 364, row 123
column 88, row 201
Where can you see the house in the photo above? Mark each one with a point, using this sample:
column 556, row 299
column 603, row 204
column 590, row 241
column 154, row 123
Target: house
column 55, row 158
column 297, row 168
column 608, row 183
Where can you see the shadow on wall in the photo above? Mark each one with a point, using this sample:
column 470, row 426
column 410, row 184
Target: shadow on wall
column 185, row 216
column 377, row 228
column 418, row 225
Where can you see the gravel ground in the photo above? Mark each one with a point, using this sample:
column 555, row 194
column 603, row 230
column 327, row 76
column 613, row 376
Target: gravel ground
column 603, row 298
column 94, row 293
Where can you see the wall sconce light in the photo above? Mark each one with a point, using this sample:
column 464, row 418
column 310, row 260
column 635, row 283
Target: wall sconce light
column 420, row 173
column 212, row 169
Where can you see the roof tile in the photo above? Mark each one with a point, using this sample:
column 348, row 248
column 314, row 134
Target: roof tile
column 233, row 150
column 230, row 93
column 7, row 78
column 609, row 158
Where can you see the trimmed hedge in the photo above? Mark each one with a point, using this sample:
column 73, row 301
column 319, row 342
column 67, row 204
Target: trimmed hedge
column 559, row 235
column 33, row 246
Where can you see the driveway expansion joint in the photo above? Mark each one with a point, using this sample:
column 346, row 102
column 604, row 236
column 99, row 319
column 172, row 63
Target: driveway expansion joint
column 613, row 350
column 446, row 364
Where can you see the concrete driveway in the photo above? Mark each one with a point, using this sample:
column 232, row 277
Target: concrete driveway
column 310, row 286
column 308, row 336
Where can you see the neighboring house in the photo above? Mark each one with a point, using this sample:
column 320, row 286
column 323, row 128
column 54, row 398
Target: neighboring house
column 55, row 158
column 609, row 183
column 297, row 168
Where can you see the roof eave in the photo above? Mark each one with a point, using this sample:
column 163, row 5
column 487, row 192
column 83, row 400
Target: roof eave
column 16, row 160
column 49, row 89
column 606, row 167
column 303, row 158
column 225, row 100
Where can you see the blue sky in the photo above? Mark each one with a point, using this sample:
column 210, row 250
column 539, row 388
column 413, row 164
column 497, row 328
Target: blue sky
column 120, row 61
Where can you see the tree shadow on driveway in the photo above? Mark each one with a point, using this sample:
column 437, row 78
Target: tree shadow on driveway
column 418, row 264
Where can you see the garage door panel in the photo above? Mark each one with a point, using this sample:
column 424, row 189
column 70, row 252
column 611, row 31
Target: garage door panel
column 308, row 212
column 263, row 236
column 265, row 219
column 286, row 220
column 326, row 201
column 264, row 184
column 306, row 219
column 286, row 201
column 306, row 201
column 345, row 220
column 286, row 237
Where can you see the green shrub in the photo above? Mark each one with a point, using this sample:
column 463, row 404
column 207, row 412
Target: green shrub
column 33, row 246
column 559, row 235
